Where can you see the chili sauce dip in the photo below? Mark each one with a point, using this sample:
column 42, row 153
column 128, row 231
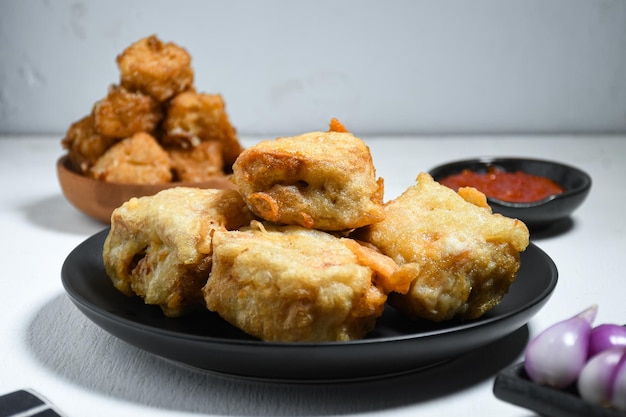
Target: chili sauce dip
column 515, row 187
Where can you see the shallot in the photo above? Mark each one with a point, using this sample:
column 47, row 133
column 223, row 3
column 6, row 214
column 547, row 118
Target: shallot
column 558, row 354
column 603, row 379
column 606, row 336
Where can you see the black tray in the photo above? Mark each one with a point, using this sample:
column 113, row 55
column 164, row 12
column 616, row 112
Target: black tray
column 512, row 385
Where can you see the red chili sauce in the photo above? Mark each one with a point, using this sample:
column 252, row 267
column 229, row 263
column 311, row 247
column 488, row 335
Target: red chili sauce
column 516, row 187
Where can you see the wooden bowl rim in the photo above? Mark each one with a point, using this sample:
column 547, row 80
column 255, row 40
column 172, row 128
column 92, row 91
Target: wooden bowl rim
column 84, row 192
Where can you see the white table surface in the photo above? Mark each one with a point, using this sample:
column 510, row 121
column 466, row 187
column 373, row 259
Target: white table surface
column 48, row 345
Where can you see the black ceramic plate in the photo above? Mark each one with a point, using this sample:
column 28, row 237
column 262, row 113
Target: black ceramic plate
column 205, row 341
column 513, row 386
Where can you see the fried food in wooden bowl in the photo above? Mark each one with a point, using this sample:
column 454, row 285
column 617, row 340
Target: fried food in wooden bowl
column 151, row 131
column 98, row 199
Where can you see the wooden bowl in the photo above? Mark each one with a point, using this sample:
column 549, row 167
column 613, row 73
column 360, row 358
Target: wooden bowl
column 98, row 199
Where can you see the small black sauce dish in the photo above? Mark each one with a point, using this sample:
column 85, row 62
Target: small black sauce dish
column 537, row 214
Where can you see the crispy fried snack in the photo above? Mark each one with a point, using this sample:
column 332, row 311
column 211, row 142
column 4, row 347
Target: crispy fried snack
column 159, row 69
column 159, row 247
column 319, row 180
column 123, row 113
column 155, row 78
column 389, row 276
column 84, row 144
column 466, row 257
column 198, row 163
column 138, row 159
column 193, row 118
column 291, row 284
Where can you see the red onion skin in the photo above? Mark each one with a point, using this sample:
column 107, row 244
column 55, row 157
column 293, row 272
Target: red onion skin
column 603, row 379
column 606, row 336
column 558, row 354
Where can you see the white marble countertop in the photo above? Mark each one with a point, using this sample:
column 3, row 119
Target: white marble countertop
column 48, row 345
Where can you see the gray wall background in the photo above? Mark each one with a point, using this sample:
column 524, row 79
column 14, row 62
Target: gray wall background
column 381, row 67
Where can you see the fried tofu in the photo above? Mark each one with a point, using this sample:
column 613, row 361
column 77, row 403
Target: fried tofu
column 318, row 180
column 466, row 257
column 193, row 118
column 158, row 69
column 292, row 284
column 198, row 163
column 159, row 247
column 84, row 144
column 138, row 159
column 123, row 113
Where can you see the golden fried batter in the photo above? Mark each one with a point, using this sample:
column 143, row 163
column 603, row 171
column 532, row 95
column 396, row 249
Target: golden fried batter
column 198, row 163
column 159, row 69
column 336, row 126
column 389, row 276
column 135, row 160
column 466, row 257
column 319, row 180
column 84, row 144
column 159, row 247
column 197, row 117
column 156, row 80
column 291, row 284
column 122, row 113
